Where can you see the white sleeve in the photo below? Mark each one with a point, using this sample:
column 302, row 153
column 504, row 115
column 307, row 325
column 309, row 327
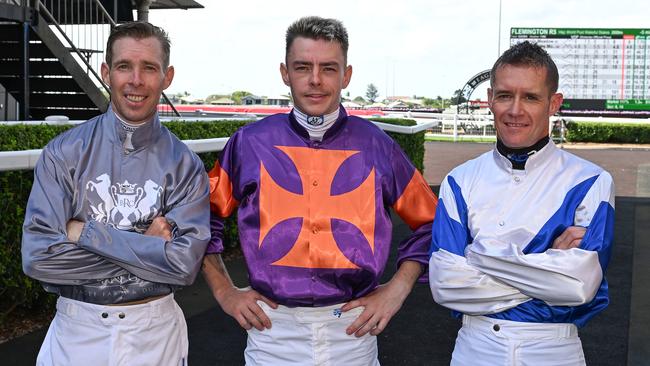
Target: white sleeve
column 459, row 286
column 558, row 277
column 454, row 283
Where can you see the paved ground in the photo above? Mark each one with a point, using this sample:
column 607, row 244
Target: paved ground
column 628, row 164
column 423, row 333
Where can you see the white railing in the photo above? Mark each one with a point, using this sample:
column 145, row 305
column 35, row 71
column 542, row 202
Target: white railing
column 407, row 130
column 26, row 159
column 458, row 126
column 468, row 126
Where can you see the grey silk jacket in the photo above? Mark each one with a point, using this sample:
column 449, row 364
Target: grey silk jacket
column 86, row 175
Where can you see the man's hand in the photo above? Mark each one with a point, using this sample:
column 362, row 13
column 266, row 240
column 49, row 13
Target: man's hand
column 242, row 305
column 381, row 304
column 570, row 238
column 160, row 227
column 74, row 229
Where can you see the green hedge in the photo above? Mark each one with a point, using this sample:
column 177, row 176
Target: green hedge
column 413, row 145
column 206, row 130
column 16, row 289
column 630, row 133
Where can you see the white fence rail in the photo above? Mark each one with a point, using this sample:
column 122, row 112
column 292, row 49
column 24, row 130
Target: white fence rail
column 26, row 159
column 468, row 127
column 457, row 126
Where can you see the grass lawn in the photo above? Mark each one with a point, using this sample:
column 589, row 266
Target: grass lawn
column 460, row 138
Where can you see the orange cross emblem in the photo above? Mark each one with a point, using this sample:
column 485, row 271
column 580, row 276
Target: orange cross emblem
column 315, row 246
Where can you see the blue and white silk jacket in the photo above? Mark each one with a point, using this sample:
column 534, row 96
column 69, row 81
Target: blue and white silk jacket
column 491, row 242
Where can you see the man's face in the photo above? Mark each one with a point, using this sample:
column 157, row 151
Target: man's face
column 316, row 73
column 522, row 103
column 136, row 78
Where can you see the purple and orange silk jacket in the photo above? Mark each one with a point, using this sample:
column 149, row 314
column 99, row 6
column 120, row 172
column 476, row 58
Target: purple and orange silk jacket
column 313, row 216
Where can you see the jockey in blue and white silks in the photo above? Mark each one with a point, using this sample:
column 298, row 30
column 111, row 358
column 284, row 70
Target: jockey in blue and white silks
column 491, row 249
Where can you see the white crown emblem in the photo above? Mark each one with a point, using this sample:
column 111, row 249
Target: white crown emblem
column 315, row 120
column 126, row 187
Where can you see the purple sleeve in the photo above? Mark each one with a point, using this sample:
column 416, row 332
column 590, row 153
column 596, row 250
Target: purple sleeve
column 215, row 246
column 416, row 204
column 416, row 248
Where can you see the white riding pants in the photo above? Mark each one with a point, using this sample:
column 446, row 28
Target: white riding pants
column 83, row 334
column 487, row 341
column 306, row 336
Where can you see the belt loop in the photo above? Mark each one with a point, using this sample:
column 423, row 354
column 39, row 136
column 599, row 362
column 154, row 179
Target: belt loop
column 70, row 309
column 155, row 309
column 569, row 331
column 467, row 320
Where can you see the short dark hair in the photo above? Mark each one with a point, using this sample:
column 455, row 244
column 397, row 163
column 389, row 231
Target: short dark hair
column 138, row 30
column 318, row 28
column 528, row 54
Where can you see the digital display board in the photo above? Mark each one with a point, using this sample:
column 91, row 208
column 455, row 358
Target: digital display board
column 600, row 69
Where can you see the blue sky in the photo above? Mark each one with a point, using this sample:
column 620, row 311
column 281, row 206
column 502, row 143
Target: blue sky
column 413, row 47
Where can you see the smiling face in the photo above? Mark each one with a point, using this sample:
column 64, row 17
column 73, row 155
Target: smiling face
column 316, row 72
column 522, row 103
column 136, row 78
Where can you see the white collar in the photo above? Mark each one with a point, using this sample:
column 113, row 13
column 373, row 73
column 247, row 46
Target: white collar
column 316, row 126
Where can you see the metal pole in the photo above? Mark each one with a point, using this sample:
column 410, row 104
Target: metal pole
column 24, row 111
column 6, row 104
column 499, row 40
column 394, row 77
column 143, row 10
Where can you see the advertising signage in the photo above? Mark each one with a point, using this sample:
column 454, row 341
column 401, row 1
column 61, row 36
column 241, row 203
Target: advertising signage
column 600, row 69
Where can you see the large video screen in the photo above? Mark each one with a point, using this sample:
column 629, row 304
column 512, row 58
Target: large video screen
column 600, row 69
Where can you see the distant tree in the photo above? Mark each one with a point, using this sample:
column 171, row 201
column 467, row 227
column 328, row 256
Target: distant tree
column 237, row 95
column 372, row 93
column 430, row 102
column 458, row 97
column 442, row 102
column 359, row 100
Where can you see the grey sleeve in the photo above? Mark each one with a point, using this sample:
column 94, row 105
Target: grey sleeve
column 151, row 258
column 47, row 254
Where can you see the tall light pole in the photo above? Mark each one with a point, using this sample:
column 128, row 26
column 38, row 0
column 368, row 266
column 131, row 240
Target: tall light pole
column 499, row 40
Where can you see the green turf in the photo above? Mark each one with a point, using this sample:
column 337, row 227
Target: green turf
column 461, row 138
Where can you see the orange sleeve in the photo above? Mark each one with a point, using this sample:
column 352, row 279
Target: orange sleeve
column 417, row 204
column 222, row 201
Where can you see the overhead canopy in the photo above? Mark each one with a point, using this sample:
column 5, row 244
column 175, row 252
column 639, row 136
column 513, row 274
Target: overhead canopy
column 175, row 4
column 122, row 11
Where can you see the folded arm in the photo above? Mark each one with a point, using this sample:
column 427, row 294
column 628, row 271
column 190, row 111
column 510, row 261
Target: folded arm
column 559, row 277
column 459, row 286
column 562, row 275
column 151, row 257
column 455, row 283
column 47, row 253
